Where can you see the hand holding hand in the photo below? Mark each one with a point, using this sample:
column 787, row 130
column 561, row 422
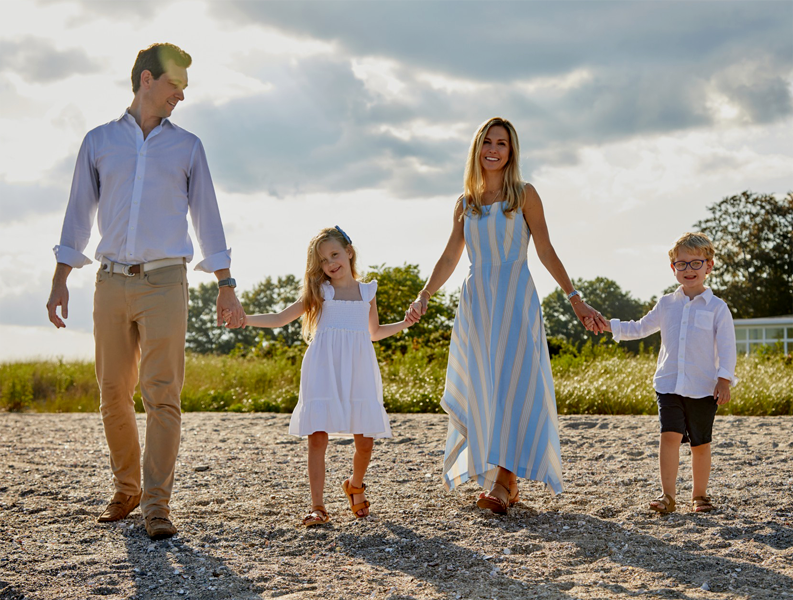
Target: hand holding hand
column 229, row 310
column 227, row 316
column 418, row 307
column 591, row 319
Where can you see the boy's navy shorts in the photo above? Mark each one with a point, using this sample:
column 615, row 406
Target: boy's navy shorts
column 693, row 417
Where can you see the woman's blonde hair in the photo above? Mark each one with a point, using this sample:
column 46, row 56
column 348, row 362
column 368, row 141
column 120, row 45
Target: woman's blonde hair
column 315, row 277
column 474, row 180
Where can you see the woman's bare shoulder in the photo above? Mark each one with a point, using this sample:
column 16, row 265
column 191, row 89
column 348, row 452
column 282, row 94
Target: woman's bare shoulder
column 530, row 196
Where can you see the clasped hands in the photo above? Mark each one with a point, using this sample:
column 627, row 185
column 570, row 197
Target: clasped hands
column 590, row 318
column 418, row 308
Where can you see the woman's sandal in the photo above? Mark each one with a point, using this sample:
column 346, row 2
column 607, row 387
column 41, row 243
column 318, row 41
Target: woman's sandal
column 317, row 516
column 701, row 504
column 349, row 491
column 664, row 504
column 494, row 503
column 514, row 498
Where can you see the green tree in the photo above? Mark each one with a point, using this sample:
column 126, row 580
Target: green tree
column 203, row 334
column 205, row 337
column 753, row 235
column 606, row 296
column 397, row 287
column 269, row 297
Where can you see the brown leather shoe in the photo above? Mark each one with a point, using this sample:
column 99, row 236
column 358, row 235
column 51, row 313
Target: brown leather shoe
column 159, row 528
column 120, row 506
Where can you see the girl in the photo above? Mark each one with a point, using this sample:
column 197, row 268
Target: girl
column 340, row 387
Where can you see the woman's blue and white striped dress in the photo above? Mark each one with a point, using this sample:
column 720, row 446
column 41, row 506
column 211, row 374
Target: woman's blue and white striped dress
column 499, row 389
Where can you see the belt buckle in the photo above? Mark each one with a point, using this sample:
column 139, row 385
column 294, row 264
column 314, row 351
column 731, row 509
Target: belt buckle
column 125, row 270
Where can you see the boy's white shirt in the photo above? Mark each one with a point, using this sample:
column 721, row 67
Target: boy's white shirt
column 697, row 342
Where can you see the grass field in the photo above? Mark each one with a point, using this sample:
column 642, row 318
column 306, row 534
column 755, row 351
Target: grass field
column 599, row 380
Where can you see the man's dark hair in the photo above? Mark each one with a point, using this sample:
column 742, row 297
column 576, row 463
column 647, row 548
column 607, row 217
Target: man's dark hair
column 154, row 59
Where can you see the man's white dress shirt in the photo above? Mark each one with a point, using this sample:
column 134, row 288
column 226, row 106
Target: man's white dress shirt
column 141, row 191
column 697, row 342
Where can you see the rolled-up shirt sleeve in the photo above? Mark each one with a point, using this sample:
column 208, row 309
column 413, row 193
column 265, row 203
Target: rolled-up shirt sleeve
column 635, row 330
column 81, row 210
column 726, row 349
column 205, row 214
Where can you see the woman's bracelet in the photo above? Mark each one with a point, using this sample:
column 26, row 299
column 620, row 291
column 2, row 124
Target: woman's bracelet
column 425, row 291
column 572, row 294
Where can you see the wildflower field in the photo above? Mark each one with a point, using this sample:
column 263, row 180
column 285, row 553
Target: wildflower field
column 599, row 379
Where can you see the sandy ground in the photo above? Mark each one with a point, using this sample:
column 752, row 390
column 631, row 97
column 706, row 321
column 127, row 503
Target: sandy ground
column 241, row 491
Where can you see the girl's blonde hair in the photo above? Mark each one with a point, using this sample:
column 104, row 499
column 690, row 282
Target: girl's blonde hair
column 474, row 180
column 315, row 277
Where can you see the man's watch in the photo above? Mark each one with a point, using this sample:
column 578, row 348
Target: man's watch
column 230, row 282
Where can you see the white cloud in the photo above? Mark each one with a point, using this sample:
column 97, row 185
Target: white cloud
column 361, row 115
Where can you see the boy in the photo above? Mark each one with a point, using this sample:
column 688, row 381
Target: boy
column 696, row 364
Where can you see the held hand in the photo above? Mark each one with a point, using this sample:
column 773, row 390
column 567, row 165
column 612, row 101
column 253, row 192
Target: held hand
column 591, row 319
column 414, row 311
column 722, row 391
column 229, row 309
column 411, row 317
column 419, row 305
column 59, row 296
column 228, row 316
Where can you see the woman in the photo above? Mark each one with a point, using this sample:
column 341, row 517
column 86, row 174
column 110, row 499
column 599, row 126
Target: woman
column 499, row 391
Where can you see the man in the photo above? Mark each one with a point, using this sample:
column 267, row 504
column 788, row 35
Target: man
column 140, row 175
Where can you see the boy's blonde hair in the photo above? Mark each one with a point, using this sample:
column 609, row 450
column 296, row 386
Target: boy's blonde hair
column 693, row 242
column 474, row 180
column 315, row 277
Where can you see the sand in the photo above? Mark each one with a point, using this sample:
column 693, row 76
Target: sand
column 241, row 492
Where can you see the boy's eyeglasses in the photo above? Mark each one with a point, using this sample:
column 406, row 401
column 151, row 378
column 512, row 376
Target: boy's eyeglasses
column 681, row 265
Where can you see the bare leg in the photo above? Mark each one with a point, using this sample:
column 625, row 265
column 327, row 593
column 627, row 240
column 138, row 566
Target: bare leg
column 669, row 461
column 317, row 444
column 360, row 462
column 700, row 469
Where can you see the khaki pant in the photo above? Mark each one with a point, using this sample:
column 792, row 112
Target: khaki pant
column 142, row 319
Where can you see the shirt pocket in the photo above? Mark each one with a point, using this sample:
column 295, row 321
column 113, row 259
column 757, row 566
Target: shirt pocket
column 704, row 319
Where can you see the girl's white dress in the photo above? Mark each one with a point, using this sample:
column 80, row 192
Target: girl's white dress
column 340, row 387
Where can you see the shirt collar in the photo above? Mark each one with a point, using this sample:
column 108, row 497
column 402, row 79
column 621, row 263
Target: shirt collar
column 126, row 116
column 706, row 296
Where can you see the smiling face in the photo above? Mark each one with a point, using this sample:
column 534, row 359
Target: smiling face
column 163, row 94
column 495, row 152
column 335, row 260
column 693, row 281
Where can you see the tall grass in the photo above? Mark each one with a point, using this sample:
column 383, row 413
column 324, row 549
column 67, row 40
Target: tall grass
column 601, row 379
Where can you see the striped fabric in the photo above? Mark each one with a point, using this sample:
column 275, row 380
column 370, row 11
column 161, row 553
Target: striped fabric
column 499, row 390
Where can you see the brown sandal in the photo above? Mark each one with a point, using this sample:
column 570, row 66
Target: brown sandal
column 317, row 516
column 349, row 491
column 664, row 504
column 494, row 503
column 515, row 498
column 701, row 504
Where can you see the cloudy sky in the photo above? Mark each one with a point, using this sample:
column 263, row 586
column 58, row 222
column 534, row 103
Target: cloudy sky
column 633, row 118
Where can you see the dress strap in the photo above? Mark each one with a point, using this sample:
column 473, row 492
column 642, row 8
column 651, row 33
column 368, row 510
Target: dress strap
column 327, row 291
column 368, row 290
